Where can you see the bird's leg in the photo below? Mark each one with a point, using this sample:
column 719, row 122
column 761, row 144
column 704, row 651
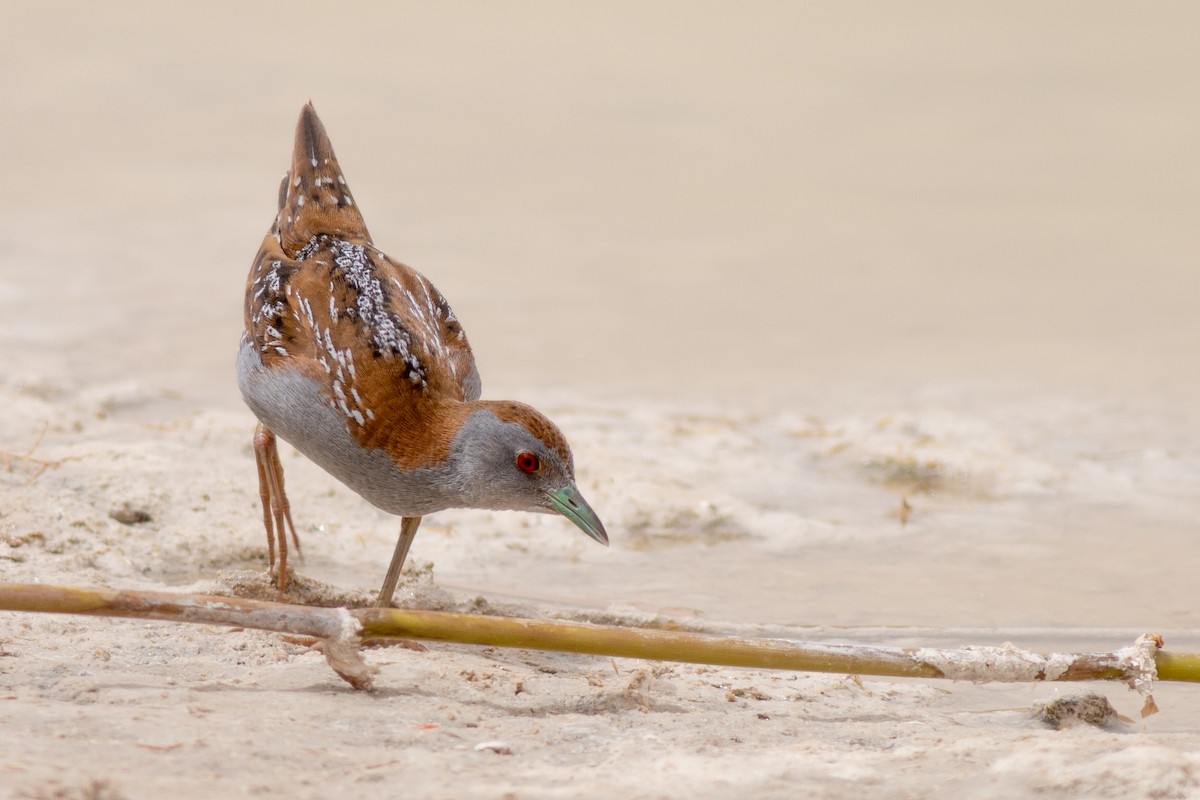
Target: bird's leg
column 277, row 513
column 408, row 530
column 264, row 495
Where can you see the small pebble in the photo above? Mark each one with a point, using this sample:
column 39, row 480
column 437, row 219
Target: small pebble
column 130, row 516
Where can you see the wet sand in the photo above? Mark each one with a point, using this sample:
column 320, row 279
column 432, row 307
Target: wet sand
column 774, row 273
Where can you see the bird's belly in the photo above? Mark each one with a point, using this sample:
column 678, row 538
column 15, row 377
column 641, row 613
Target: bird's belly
column 292, row 405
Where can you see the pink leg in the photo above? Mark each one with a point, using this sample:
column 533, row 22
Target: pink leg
column 276, row 511
column 408, row 529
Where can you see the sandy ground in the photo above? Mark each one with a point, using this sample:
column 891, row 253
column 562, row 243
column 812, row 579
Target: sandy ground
column 193, row 711
column 777, row 273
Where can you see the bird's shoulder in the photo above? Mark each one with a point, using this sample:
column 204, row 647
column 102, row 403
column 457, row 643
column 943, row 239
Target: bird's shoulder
column 338, row 302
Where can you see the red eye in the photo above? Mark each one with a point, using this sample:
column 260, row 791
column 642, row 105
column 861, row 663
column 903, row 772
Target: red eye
column 528, row 462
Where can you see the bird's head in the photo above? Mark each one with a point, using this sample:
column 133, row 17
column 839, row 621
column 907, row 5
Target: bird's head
column 510, row 457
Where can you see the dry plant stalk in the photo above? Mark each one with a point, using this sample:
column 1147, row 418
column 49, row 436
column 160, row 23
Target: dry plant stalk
column 336, row 626
column 35, row 466
column 1139, row 665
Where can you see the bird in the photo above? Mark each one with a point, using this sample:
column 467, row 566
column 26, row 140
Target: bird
column 358, row 362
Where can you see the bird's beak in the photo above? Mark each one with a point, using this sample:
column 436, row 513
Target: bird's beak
column 570, row 503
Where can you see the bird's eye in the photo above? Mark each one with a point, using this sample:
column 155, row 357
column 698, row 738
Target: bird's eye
column 528, row 462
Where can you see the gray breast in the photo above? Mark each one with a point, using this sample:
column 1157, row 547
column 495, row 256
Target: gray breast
column 293, row 406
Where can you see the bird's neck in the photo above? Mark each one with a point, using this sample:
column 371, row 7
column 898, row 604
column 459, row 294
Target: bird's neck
column 422, row 434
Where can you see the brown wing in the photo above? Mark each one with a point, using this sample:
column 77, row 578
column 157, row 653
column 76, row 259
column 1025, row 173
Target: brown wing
column 429, row 316
column 375, row 333
column 322, row 299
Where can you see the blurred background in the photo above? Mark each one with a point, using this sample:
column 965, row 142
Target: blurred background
column 761, row 203
column 947, row 251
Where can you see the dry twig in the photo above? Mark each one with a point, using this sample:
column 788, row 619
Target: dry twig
column 343, row 630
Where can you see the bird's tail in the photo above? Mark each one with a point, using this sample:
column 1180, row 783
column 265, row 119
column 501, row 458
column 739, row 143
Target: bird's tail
column 314, row 198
